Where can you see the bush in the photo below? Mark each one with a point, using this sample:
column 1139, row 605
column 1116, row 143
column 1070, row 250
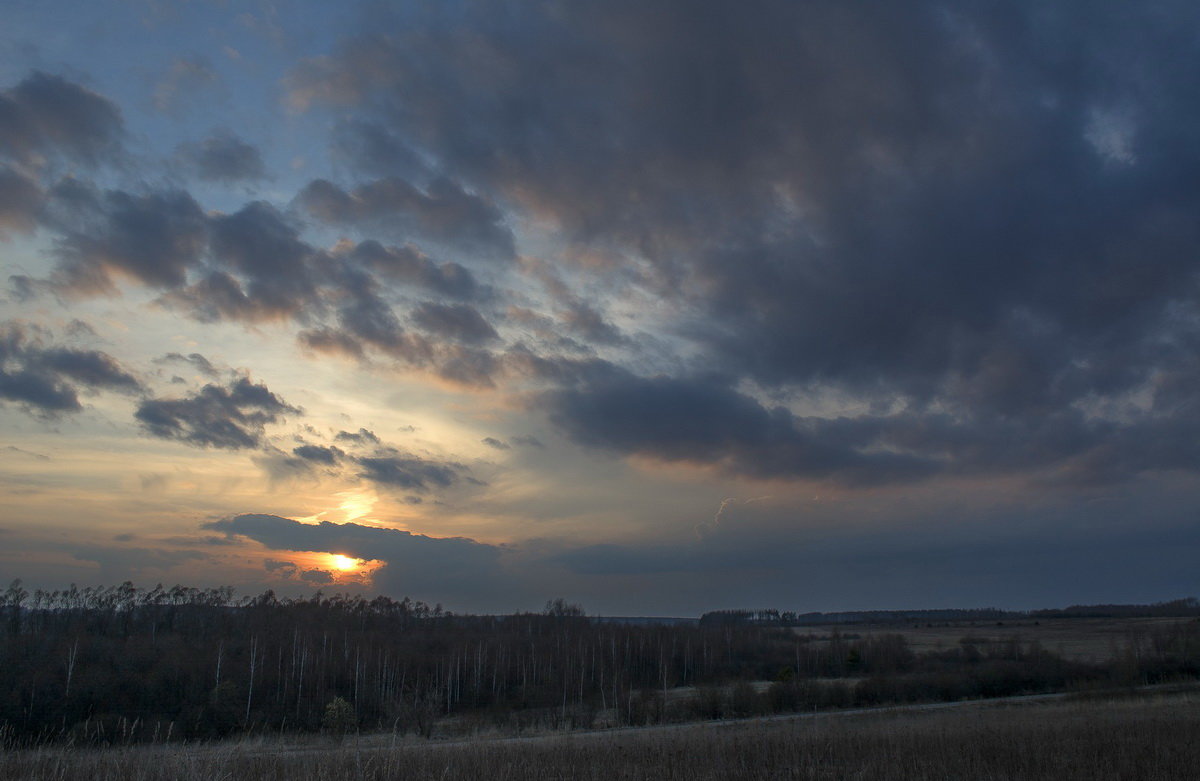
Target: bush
column 339, row 718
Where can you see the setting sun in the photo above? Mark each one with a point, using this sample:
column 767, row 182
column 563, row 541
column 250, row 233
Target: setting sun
column 344, row 563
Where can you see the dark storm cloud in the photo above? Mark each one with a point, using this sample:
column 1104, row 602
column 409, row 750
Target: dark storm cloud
column 223, row 157
column 969, row 219
column 231, row 417
column 414, row 563
column 444, row 212
column 461, row 322
column 408, row 472
column 706, row 422
column 47, row 379
column 46, row 115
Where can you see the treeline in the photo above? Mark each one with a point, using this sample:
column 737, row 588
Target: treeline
column 1178, row 608
column 127, row 664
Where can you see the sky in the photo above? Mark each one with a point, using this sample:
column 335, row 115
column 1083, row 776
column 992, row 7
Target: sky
column 657, row 306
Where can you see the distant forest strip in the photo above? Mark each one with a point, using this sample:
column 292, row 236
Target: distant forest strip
column 122, row 664
column 1177, row 608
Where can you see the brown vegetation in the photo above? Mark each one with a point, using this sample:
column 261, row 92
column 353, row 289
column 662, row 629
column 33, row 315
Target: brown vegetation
column 1151, row 738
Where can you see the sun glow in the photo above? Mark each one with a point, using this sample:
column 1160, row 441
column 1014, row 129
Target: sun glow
column 344, row 563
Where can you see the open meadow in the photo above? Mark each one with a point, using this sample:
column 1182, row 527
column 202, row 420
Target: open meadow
column 1149, row 736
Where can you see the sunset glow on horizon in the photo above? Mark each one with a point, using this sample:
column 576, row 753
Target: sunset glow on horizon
column 658, row 307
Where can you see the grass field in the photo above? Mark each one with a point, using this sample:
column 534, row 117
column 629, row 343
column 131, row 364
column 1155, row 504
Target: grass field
column 1078, row 639
column 1149, row 737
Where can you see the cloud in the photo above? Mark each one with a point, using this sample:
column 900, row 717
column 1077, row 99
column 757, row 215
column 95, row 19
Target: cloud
column 360, row 437
column 498, row 444
column 186, row 77
column 415, row 564
column 230, row 417
column 408, row 472
column 47, row 379
column 460, row 322
column 126, row 562
column 286, row 568
column 195, row 360
column 223, row 157
column 444, row 212
column 20, row 202
column 935, row 216
column 318, row 577
column 45, row 115
column 153, row 239
column 319, row 454
column 703, row 421
column 408, row 265
column 264, row 247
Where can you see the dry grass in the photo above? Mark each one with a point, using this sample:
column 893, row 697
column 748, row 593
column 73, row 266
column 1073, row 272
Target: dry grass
column 1143, row 737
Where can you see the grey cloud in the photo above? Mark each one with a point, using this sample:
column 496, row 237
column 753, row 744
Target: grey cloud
column 275, row 565
column 366, row 322
column 126, row 560
column 704, row 421
column 46, row 114
column 317, row 576
column 461, row 322
column 20, row 202
column 319, row 454
column 330, row 342
column 444, row 212
column 46, row 379
column 408, row 472
column 186, row 77
column 360, row 437
column 904, row 207
column 230, row 417
column 585, row 320
column 414, row 563
column 408, row 265
column 195, row 360
column 498, row 444
column 468, row 366
column 223, row 157
column 528, row 440
column 370, row 147
column 154, row 238
column 263, row 246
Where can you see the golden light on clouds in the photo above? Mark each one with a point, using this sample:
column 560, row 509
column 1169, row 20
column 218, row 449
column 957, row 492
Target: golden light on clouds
column 344, row 563
column 356, row 504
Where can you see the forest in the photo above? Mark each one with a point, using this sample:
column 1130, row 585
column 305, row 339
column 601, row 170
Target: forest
column 121, row 664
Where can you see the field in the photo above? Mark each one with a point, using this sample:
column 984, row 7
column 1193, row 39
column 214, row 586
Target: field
column 1148, row 736
column 1091, row 640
